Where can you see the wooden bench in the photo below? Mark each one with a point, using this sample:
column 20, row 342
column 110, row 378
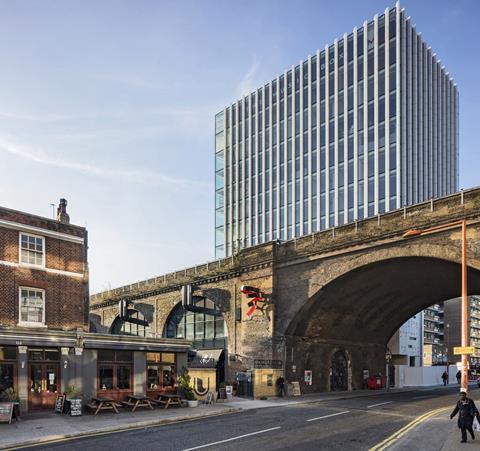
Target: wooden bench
column 127, row 404
column 168, row 400
column 102, row 403
column 158, row 402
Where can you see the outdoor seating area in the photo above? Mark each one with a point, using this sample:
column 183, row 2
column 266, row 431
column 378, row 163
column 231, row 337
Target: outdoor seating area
column 163, row 400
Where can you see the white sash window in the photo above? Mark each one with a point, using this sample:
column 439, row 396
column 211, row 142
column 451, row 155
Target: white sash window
column 32, row 307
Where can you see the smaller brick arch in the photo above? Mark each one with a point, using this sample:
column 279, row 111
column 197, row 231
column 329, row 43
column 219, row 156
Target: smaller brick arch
column 178, row 310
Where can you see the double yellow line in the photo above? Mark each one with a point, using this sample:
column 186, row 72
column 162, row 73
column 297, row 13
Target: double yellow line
column 400, row 433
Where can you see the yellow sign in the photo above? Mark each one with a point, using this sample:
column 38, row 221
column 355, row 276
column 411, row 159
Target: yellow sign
column 458, row 350
column 427, row 355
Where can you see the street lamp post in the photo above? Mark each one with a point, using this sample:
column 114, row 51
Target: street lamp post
column 463, row 225
column 388, row 357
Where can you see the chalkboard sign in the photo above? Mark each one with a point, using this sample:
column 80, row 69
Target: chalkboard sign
column 75, row 407
column 60, row 399
column 296, row 389
column 209, row 399
column 6, row 412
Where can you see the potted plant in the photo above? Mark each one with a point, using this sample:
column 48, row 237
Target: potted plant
column 9, row 395
column 186, row 389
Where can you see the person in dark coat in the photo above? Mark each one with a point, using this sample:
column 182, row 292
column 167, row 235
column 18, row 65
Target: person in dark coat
column 281, row 386
column 459, row 376
column 445, row 378
column 467, row 411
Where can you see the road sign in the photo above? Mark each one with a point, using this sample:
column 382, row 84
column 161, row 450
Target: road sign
column 458, row 350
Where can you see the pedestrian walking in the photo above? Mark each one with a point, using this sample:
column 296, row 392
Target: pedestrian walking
column 459, row 376
column 467, row 411
column 445, row 378
column 281, row 386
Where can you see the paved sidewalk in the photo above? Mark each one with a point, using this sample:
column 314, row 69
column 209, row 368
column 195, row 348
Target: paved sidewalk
column 436, row 434
column 39, row 428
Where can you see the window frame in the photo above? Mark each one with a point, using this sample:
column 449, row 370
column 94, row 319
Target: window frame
column 31, row 323
column 161, row 363
column 115, row 364
column 31, row 265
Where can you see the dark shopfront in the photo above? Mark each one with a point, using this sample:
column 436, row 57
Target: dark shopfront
column 8, row 368
column 96, row 364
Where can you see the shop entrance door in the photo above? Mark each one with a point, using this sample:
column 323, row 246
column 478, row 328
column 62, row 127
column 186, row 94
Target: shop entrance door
column 245, row 384
column 339, row 372
column 44, row 385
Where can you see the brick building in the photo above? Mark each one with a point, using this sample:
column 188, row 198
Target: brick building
column 43, row 262
column 45, row 342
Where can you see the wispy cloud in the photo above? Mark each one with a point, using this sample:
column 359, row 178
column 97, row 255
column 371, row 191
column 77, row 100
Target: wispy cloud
column 134, row 176
column 45, row 117
column 250, row 80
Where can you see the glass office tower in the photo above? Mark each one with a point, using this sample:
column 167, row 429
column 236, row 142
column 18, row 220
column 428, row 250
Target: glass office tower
column 364, row 126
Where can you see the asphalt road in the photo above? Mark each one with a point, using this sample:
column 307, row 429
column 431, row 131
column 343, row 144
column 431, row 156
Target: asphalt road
column 347, row 423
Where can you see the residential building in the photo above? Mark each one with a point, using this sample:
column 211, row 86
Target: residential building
column 453, row 328
column 433, row 335
column 364, row 126
column 406, row 345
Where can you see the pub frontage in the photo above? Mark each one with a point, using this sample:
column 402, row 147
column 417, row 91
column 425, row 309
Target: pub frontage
column 39, row 365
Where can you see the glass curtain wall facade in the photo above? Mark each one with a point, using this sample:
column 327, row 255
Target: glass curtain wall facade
column 364, row 126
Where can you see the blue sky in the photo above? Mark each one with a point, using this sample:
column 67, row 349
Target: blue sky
column 111, row 105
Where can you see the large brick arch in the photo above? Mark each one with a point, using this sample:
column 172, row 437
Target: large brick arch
column 357, row 298
column 302, row 284
column 369, row 303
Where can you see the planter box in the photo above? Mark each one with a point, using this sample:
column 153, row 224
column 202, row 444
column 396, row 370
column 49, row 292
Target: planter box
column 193, row 403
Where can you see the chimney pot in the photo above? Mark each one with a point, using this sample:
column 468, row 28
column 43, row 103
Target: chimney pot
column 62, row 215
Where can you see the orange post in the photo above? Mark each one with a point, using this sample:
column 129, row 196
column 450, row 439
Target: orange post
column 465, row 331
column 465, row 334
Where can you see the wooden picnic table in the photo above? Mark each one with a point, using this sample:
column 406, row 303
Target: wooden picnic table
column 103, row 403
column 168, row 399
column 135, row 401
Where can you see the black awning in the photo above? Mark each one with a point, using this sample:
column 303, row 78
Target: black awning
column 206, row 358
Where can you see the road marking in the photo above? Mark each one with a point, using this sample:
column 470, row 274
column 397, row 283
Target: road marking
column 379, row 404
column 328, row 416
column 389, row 441
column 231, row 439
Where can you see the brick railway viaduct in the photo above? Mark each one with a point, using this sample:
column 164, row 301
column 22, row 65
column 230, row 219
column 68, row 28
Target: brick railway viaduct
column 344, row 289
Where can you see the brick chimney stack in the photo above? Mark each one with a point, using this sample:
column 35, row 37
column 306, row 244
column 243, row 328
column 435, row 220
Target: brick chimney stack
column 62, row 214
